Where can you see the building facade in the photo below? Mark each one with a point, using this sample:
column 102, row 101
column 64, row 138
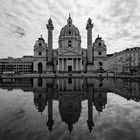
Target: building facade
column 70, row 56
column 17, row 65
column 126, row 61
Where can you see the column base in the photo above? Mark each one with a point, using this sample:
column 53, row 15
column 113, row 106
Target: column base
column 49, row 67
column 90, row 67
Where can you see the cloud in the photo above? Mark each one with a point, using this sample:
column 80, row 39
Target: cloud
column 116, row 21
column 19, row 31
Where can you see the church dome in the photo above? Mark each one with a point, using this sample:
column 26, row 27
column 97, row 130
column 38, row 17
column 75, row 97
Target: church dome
column 69, row 29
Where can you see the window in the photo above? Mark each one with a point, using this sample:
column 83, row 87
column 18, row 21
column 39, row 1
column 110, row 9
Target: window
column 69, row 32
column 99, row 43
column 70, row 80
column 69, row 43
column 99, row 53
column 39, row 44
column 100, row 63
column 39, row 53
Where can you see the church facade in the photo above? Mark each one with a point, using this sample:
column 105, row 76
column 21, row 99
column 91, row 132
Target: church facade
column 69, row 56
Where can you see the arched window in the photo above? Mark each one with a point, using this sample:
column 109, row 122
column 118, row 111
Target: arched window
column 40, row 82
column 40, row 44
column 99, row 43
column 39, row 53
column 40, row 67
column 69, row 32
column 100, row 64
column 69, row 43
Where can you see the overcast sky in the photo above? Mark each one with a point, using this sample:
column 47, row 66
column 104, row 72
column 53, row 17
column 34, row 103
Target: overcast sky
column 23, row 21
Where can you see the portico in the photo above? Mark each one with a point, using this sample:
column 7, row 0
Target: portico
column 70, row 64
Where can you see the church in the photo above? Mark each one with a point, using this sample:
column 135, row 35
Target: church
column 69, row 56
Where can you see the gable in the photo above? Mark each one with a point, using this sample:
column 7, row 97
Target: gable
column 69, row 53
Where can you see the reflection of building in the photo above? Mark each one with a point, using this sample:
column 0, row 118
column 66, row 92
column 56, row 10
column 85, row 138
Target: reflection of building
column 70, row 108
column 70, row 98
column 100, row 96
column 127, row 88
column 70, row 85
column 11, row 84
column 40, row 96
column 71, row 92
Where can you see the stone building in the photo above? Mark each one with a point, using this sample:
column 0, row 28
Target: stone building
column 69, row 56
column 126, row 61
column 18, row 65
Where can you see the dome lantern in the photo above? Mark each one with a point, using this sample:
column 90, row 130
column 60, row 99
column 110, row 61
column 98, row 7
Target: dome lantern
column 69, row 20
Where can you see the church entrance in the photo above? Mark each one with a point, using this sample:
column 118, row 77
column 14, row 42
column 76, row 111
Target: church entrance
column 69, row 68
column 39, row 67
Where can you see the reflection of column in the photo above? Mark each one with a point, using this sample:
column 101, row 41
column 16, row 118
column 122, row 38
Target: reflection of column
column 90, row 122
column 50, row 121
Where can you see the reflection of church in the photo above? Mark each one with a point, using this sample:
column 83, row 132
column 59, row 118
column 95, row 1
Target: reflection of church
column 69, row 56
column 71, row 92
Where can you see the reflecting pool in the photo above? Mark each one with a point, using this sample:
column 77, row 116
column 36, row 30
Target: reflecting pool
column 75, row 109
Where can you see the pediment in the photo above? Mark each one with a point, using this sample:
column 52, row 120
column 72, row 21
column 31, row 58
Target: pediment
column 69, row 53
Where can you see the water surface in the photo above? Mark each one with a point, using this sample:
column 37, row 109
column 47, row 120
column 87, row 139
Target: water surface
column 79, row 109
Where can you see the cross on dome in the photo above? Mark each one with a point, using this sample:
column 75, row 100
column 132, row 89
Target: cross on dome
column 69, row 21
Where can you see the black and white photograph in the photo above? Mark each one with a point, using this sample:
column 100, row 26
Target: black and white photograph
column 69, row 69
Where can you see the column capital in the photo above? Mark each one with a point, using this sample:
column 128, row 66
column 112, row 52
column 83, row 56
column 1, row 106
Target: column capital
column 50, row 24
column 89, row 24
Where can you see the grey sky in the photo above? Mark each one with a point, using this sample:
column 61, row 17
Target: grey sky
column 23, row 21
